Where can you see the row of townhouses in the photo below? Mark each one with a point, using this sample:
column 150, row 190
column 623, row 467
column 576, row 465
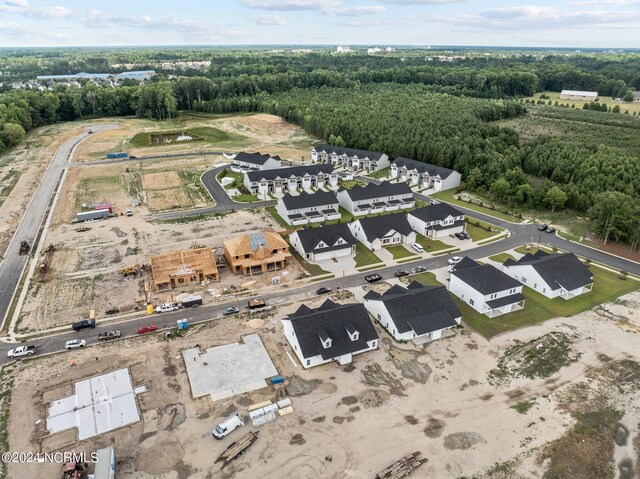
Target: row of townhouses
column 282, row 180
column 340, row 157
column 376, row 232
column 418, row 313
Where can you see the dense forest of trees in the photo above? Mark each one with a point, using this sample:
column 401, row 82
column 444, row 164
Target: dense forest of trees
column 438, row 113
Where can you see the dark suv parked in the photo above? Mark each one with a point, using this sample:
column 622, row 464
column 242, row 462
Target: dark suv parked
column 84, row 324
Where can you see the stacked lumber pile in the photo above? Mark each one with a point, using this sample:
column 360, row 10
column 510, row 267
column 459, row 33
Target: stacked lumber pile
column 237, row 448
column 403, row 467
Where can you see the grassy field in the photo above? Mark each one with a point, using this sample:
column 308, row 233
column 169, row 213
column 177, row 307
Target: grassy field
column 555, row 96
column 276, row 216
column 575, row 238
column 430, row 245
column 538, row 308
column 399, row 252
column 448, row 197
column 380, row 174
column 238, row 178
column 501, row 257
column 479, row 230
column 426, row 278
column 248, row 198
column 364, row 257
column 350, row 184
column 206, row 134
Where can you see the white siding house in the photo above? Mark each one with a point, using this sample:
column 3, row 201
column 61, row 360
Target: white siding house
column 417, row 313
column 324, row 243
column 383, row 231
column 553, row 275
column 349, row 158
column 308, row 208
column 283, row 180
column 485, row 288
column 437, row 221
column 256, row 161
column 424, row 175
column 371, row 199
column 331, row 332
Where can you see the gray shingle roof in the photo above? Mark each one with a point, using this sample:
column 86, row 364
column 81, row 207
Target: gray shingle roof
column 486, row 279
column 254, row 158
column 308, row 200
column 380, row 226
column 432, row 170
column 423, row 309
column 350, row 152
column 557, row 270
column 293, row 172
column 438, row 212
column 332, row 320
column 511, row 299
column 311, row 237
column 372, row 191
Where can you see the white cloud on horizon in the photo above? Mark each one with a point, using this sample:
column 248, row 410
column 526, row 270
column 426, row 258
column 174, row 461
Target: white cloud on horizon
column 268, row 20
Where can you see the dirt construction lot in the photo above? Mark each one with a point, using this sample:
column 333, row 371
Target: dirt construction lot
column 566, row 409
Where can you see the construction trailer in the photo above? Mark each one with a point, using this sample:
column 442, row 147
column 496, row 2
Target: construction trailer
column 105, row 464
column 183, row 268
column 92, row 215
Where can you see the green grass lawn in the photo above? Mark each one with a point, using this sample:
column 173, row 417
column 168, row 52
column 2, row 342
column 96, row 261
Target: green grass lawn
column 478, row 229
column 249, row 198
column 538, row 308
column 448, row 197
column 276, row 216
column 399, row 251
column 501, row 257
column 380, row 174
column 571, row 237
column 365, row 257
column 238, row 178
column 555, row 96
column 426, row 278
column 350, row 184
column 430, row 245
column 312, row 269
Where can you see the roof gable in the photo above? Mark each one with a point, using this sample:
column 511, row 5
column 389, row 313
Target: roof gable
column 350, row 152
column 438, row 212
column 372, row 191
column 309, row 200
column 292, row 172
column 557, row 270
column 421, row 167
column 486, row 278
column 381, row 226
column 330, row 235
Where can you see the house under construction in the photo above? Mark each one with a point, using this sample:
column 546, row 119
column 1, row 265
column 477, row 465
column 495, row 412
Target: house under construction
column 183, row 268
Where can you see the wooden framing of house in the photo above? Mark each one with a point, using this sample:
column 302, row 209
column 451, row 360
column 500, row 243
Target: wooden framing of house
column 255, row 253
column 179, row 268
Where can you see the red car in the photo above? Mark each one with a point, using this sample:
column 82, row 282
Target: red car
column 147, row 328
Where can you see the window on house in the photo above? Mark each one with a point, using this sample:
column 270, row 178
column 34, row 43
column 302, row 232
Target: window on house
column 379, row 317
column 535, row 285
column 471, row 302
column 308, row 362
column 247, row 255
column 544, row 290
column 524, row 280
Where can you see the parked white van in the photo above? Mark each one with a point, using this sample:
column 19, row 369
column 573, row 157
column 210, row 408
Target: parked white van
column 229, row 424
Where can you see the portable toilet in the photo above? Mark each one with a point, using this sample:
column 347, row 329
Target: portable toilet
column 149, row 308
column 183, row 324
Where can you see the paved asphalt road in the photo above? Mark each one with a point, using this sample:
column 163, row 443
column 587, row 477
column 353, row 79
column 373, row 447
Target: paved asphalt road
column 13, row 264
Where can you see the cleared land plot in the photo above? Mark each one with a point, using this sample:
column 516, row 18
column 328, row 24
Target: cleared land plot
column 555, row 96
column 189, row 135
column 448, row 196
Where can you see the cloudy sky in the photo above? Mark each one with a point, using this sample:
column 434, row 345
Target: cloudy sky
column 569, row 23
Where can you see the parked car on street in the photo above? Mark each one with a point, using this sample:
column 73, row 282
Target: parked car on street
column 21, row 351
column 84, row 324
column 75, row 343
column 417, row 247
column 229, row 311
column 373, row 278
column 542, row 227
column 109, row 335
column 400, row 273
column 323, row 290
column 167, row 307
column 418, row 269
column 228, row 425
column 147, row 328
column 454, row 260
column 551, row 229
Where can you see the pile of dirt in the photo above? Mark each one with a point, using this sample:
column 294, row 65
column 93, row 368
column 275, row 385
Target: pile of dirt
column 297, row 439
column 296, row 386
column 375, row 376
column 463, row 440
column 433, row 427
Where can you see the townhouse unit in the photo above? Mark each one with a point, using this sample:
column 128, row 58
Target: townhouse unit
column 416, row 313
column 258, row 252
column 282, row 180
column 330, row 332
column 553, row 275
column 341, row 157
column 437, row 221
column 370, row 199
column 383, row 231
column 424, row 175
column 485, row 288
column 256, row 161
column 308, row 208
column 323, row 243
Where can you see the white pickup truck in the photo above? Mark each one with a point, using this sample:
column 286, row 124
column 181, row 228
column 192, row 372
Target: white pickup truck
column 167, row 307
column 21, row 351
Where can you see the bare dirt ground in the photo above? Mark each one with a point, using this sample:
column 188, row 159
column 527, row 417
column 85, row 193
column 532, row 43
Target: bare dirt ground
column 258, row 132
column 21, row 170
column 352, row 421
column 84, row 272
